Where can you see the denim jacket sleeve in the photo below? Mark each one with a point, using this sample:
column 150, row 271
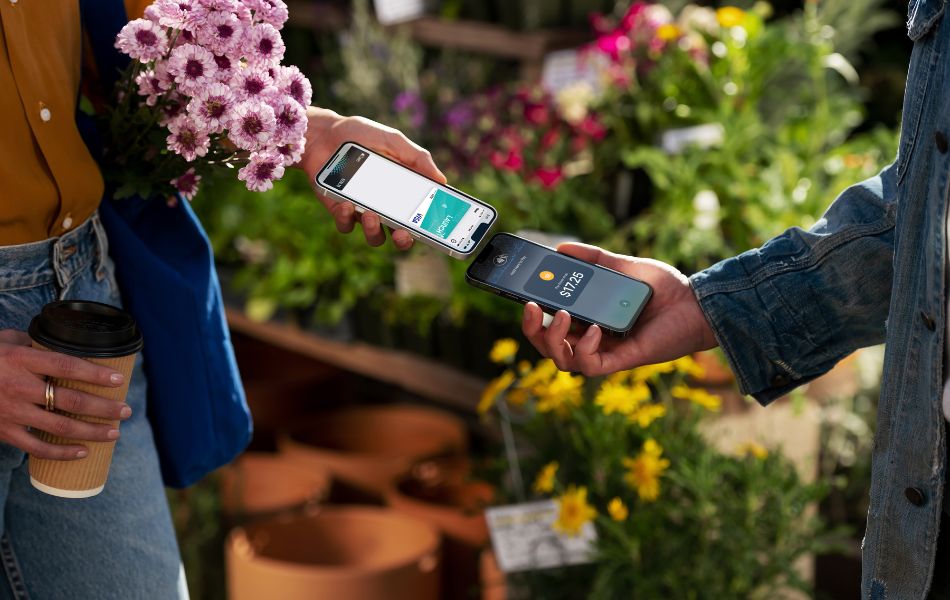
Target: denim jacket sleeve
column 785, row 313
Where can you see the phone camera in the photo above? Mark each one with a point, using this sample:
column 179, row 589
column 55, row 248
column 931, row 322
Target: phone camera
column 500, row 259
column 625, row 303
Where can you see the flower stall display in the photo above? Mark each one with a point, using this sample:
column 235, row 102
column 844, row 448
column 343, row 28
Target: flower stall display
column 672, row 513
column 205, row 90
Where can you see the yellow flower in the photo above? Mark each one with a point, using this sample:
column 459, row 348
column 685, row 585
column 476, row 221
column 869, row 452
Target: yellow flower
column 647, row 372
column 619, row 398
column 517, row 396
column 618, row 510
column 544, row 482
column 573, row 511
column 523, row 367
column 541, row 375
column 752, row 448
column 697, row 396
column 668, row 32
column 646, row 414
column 561, row 394
column 493, row 389
column 503, row 352
column 730, row 16
column 689, row 366
column 644, row 471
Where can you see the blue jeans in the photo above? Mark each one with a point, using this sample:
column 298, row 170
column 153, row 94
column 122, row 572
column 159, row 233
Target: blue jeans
column 121, row 543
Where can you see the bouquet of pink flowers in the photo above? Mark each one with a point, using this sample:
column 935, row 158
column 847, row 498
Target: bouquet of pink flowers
column 205, row 89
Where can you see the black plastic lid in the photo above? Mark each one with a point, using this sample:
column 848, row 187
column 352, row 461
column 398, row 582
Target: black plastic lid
column 88, row 329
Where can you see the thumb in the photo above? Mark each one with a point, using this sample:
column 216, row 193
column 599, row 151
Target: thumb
column 593, row 254
column 413, row 156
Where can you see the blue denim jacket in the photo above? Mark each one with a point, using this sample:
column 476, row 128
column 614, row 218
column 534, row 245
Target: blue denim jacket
column 871, row 270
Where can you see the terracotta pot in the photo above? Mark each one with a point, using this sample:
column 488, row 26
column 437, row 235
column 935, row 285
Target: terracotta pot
column 435, row 492
column 340, row 553
column 716, row 368
column 258, row 484
column 369, row 447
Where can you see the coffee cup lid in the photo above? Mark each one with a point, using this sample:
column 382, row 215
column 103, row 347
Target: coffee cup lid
column 89, row 329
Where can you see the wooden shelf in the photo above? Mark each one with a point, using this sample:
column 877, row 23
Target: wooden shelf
column 425, row 377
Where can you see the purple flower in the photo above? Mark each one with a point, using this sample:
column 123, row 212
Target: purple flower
column 187, row 183
column 411, row 102
column 292, row 152
column 272, row 12
column 187, row 138
column 252, row 82
column 221, row 32
column 173, row 13
column 224, row 71
column 291, row 81
column 192, row 66
column 211, row 106
column 152, row 83
column 143, row 40
column 263, row 45
column 252, row 125
column 291, row 120
column 262, row 170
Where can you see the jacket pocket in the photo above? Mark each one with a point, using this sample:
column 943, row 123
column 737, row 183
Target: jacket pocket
column 922, row 15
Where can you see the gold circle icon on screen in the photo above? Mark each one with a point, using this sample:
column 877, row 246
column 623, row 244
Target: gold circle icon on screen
column 546, row 275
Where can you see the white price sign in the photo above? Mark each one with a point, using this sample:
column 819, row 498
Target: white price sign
column 524, row 538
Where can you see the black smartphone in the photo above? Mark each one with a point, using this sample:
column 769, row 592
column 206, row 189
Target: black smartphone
column 524, row 271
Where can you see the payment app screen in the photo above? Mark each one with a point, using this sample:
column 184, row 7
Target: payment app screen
column 556, row 280
column 386, row 187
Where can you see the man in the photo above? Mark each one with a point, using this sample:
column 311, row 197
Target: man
column 873, row 269
column 119, row 544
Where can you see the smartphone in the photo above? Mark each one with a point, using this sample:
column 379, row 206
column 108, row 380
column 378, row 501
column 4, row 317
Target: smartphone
column 524, row 271
column 435, row 214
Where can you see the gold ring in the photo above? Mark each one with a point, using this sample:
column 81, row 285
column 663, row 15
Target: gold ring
column 50, row 395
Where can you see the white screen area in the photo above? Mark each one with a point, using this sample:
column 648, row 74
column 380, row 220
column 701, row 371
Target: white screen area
column 408, row 198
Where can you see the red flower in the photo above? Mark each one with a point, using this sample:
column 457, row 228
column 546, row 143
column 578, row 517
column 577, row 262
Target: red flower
column 549, row 177
column 537, row 114
column 550, row 138
column 613, row 44
column 513, row 161
column 591, row 126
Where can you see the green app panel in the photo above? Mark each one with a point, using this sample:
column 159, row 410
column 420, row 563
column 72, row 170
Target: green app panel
column 444, row 214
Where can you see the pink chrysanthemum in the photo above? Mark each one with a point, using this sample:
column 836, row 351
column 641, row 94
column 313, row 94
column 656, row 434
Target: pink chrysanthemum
column 152, row 13
column 225, row 70
column 262, row 170
column 210, row 107
column 187, row 138
column 263, row 45
column 220, row 32
column 272, row 12
column 192, row 66
column 252, row 124
column 290, row 81
column 172, row 107
column 291, row 152
column 143, row 40
column 173, row 13
column 252, row 82
column 187, row 183
column 152, row 83
column 291, row 120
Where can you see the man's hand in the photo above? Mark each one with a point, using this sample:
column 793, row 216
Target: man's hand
column 326, row 131
column 671, row 325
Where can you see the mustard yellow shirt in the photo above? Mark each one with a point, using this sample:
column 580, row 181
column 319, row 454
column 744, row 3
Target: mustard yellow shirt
column 49, row 183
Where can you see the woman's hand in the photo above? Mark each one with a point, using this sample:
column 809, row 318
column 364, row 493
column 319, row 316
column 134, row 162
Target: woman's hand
column 671, row 325
column 326, row 132
column 23, row 370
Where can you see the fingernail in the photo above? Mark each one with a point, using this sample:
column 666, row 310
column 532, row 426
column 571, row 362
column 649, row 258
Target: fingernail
column 113, row 434
column 82, row 454
column 591, row 332
column 125, row 413
column 117, row 378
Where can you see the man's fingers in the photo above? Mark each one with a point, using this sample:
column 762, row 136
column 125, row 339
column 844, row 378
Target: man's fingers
column 344, row 214
column 70, row 428
column 587, row 356
column 554, row 339
column 532, row 328
column 31, row 444
column 402, row 239
column 372, row 229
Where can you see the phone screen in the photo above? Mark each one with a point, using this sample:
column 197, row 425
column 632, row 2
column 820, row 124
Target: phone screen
column 415, row 202
column 533, row 272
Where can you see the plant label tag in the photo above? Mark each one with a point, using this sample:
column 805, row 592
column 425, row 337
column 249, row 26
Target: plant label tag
column 389, row 12
column 565, row 68
column 524, row 538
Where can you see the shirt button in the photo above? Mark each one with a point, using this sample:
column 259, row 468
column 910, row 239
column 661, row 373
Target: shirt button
column 13, row 1
column 941, row 140
column 915, row 496
column 67, row 222
column 45, row 114
column 928, row 321
column 780, row 380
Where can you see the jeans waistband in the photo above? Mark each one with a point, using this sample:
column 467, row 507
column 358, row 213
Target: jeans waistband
column 54, row 261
